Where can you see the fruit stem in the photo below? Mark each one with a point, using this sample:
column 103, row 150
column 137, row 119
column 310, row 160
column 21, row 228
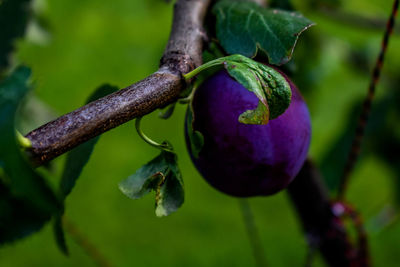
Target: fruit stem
column 205, row 66
column 163, row 146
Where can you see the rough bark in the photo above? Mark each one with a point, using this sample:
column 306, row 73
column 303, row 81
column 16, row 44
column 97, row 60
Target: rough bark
column 324, row 229
column 182, row 54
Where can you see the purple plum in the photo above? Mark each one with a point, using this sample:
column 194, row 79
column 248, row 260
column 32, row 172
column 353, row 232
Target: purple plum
column 246, row 160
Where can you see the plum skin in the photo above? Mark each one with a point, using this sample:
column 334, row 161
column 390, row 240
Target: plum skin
column 247, row 160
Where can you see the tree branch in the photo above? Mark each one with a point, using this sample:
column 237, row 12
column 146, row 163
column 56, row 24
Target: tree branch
column 182, row 54
column 323, row 228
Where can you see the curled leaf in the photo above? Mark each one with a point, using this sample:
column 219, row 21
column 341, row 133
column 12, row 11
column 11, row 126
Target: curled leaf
column 161, row 175
column 260, row 115
column 270, row 87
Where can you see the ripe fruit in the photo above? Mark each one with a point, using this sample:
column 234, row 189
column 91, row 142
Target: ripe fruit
column 246, row 160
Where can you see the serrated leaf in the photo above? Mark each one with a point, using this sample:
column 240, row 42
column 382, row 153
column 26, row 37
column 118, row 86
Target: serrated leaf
column 161, row 175
column 14, row 16
column 247, row 77
column 270, row 87
column 244, row 28
column 27, row 202
column 77, row 158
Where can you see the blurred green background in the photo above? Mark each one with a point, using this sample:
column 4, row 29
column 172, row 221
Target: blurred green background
column 75, row 46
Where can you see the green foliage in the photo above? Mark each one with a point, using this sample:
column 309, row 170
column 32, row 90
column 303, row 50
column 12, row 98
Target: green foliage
column 14, row 15
column 161, row 175
column 195, row 137
column 23, row 188
column 167, row 113
column 266, row 83
column 245, row 28
column 18, row 217
column 59, row 234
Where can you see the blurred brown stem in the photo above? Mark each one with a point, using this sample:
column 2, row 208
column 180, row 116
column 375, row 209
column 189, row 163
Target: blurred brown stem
column 324, row 230
column 82, row 241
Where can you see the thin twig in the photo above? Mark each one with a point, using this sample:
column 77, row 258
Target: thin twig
column 360, row 130
column 252, row 233
column 81, row 240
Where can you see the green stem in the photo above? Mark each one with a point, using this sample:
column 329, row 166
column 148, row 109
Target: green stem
column 148, row 140
column 205, row 66
column 189, row 98
column 23, row 141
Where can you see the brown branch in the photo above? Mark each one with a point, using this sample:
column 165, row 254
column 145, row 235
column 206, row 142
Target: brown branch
column 182, row 54
column 323, row 228
column 82, row 241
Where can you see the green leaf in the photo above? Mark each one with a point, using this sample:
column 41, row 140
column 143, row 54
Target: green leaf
column 161, row 175
column 24, row 181
column 145, row 179
column 195, row 137
column 77, row 158
column 244, row 28
column 167, row 112
column 14, row 15
column 171, row 193
column 60, row 235
column 18, row 217
column 27, row 201
column 270, row 87
column 267, row 83
column 260, row 115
